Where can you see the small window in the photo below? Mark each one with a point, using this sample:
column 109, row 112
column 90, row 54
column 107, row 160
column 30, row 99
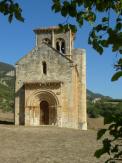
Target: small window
column 44, row 67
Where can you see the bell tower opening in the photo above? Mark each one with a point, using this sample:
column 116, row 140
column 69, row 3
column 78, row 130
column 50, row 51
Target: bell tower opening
column 60, row 45
column 60, row 40
column 44, row 113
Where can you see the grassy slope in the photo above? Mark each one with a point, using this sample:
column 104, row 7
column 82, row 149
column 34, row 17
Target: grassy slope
column 4, row 91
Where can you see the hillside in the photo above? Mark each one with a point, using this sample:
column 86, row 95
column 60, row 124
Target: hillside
column 91, row 96
column 4, row 68
column 6, row 87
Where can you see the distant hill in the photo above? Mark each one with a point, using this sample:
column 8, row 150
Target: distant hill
column 7, row 75
column 91, row 96
column 4, row 68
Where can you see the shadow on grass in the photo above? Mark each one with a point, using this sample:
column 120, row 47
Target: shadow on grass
column 6, row 122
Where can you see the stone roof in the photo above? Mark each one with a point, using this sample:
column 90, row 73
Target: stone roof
column 46, row 29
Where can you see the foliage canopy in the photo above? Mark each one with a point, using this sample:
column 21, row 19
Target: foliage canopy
column 11, row 9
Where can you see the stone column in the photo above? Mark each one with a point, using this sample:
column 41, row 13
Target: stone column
column 70, row 44
column 27, row 116
column 83, row 123
column 36, row 40
column 17, row 99
column 16, row 114
column 53, row 40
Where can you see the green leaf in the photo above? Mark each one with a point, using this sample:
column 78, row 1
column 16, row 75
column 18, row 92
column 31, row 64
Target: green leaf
column 118, row 155
column 73, row 28
column 115, row 149
column 67, row 27
column 118, row 19
column 10, row 18
column 104, row 43
column 99, row 49
column 80, row 21
column 79, row 2
column 107, row 145
column 99, row 153
column 56, row 8
column 120, row 61
column 56, row 1
column 100, row 133
column 108, row 119
column 98, row 27
column 116, row 76
column 72, row 11
column 64, row 11
column 105, row 19
column 11, row 9
column 120, row 51
column 118, row 26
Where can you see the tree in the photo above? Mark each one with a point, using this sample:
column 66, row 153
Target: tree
column 105, row 32
column 11, row 9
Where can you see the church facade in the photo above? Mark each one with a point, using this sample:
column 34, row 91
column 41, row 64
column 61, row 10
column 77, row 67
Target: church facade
column 51, row 82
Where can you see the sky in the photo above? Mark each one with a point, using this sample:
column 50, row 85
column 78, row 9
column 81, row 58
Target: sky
column 17, row 39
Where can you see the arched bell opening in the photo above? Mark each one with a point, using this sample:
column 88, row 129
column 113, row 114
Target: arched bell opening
column 60, row 45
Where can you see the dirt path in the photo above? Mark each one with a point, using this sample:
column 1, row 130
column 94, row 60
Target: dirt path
column 47, row 145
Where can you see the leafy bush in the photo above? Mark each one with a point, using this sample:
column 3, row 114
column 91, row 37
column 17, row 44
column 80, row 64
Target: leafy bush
column 6, row 98
column 92, row 111
column 103, row 109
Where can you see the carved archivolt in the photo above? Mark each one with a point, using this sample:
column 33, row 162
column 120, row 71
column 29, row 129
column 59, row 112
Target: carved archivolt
column 44, row 95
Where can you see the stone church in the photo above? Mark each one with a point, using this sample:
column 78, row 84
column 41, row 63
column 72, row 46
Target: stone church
column 51, row 82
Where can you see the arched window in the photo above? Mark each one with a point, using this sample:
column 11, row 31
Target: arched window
column 60, row 45
column 46, row 40
column 44, row 65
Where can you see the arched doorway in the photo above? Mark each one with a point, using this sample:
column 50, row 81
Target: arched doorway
column 41, row 107
column 44, row 113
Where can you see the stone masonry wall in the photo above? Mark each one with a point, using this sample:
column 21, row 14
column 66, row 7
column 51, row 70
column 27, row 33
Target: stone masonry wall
column 58, row 68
